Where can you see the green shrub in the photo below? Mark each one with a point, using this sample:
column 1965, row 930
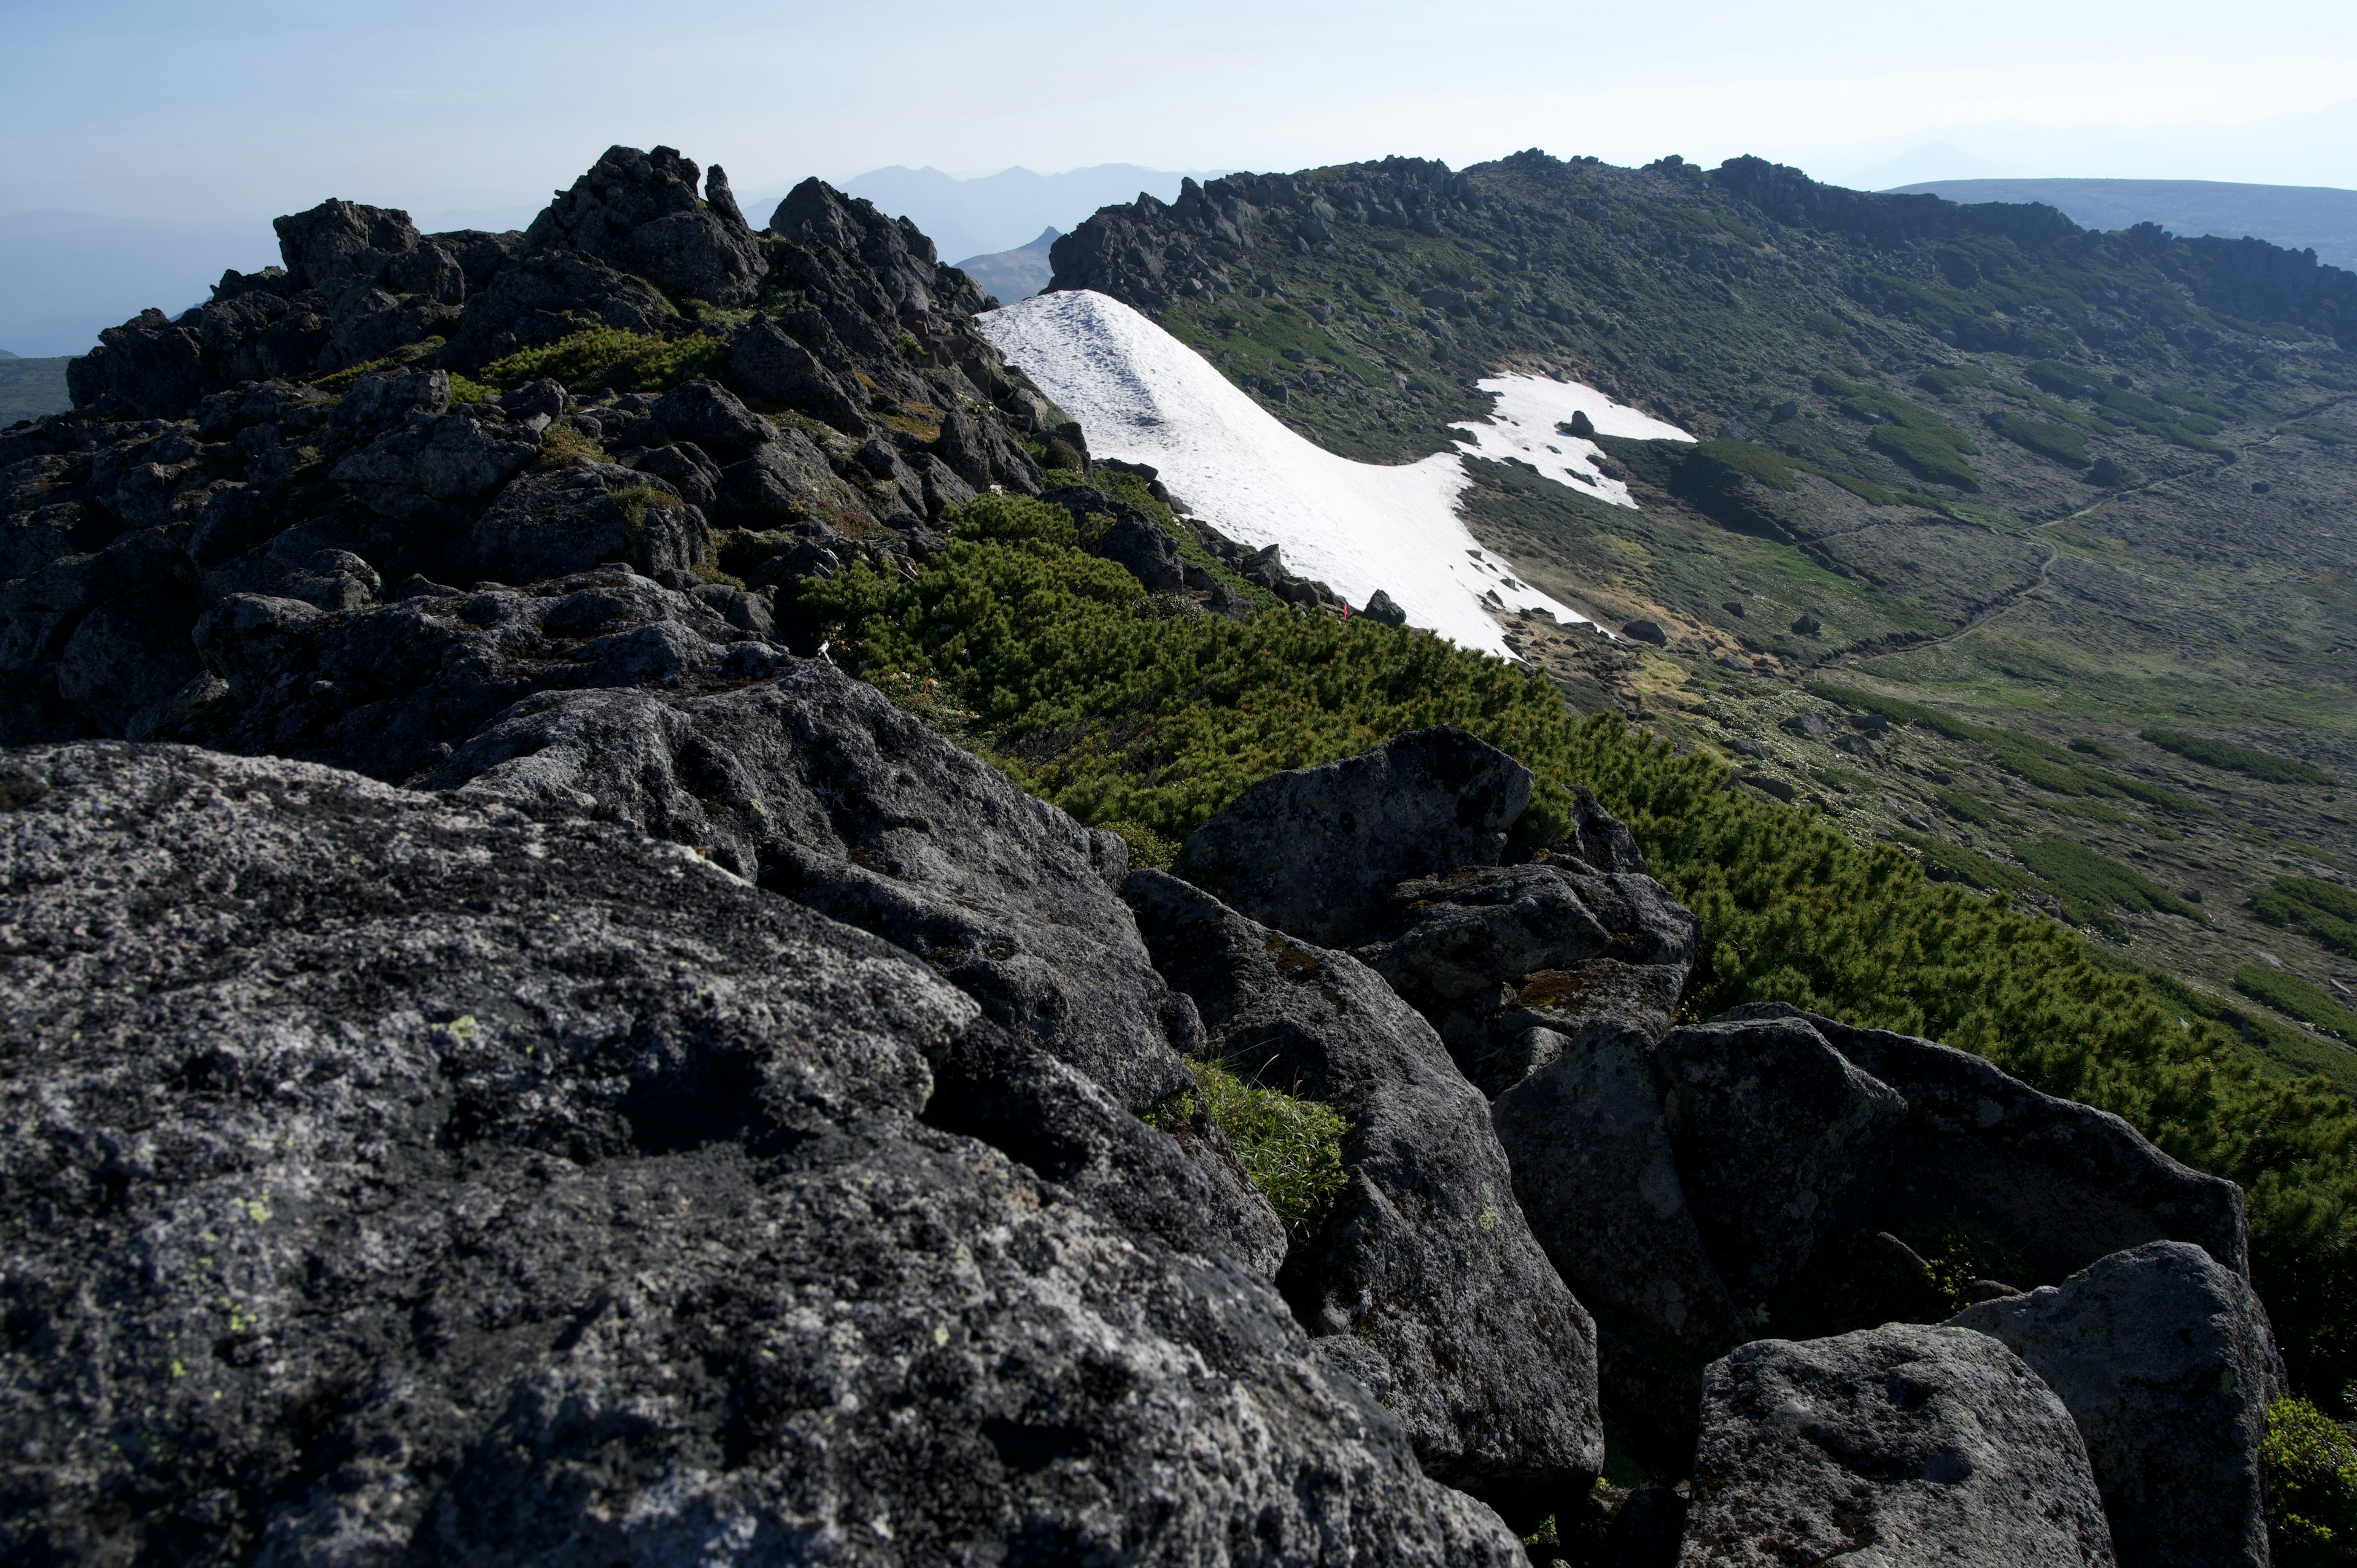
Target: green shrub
column 1755, row 462
column 1090, row 696
column 1930, row 455
column 2325, row 912
column 2059, row 442
column 1960, row 1252
column 608, row 357
column 1825, row 325
column 2233, row 759
column 2310, row 1465
column 2080, row 873
column 1967, row 808
column 1291, row 1147
column 2296, row 998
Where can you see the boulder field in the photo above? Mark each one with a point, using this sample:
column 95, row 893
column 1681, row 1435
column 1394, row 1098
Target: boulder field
column 513, row 1055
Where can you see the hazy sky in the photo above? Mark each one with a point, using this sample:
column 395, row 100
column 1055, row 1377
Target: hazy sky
column 179, row 110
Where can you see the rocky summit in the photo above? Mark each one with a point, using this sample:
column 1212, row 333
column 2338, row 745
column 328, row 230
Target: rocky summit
column 517, row 1052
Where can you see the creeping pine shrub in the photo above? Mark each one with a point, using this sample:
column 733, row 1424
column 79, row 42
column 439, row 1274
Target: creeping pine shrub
column 2234, row 759
column 1291, row 1147
column 604, row 357
column 2310, row 1465
column 1089, row 696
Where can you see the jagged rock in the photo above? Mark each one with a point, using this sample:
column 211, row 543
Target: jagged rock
column 437, row 1181
column 2066, row 1183
column 554, row 524
column 769, row 367
column 1597, row 1176
column 1146, row 551
column 818, row 785
column 2165, row 1361
column 1427, row 1267
column 1778, row 1139
column 388, row 691
column 149, row 364
column 437, row 464
column 1384, row 610
column 786, row 483
column 548, row 295
column 1489, row 954
column 1316, row 852
column 337, row 244
column 639, row 211
column 1895, row 1445
column 720, row 198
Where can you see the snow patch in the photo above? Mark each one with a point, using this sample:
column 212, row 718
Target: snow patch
column 1523, row 427
column 1145, row 397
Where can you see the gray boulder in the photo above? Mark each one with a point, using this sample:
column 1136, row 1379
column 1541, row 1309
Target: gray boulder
column 2065, row 1183
column 818, row 785
column 1599, row 1181
column 1777, row 1139
column 1898, row 1444
column 1316, row 852
column 2166, row 1362
column 1427, row 1268
column 787, row 483
column 709, row 415
column 554, row 524
column 769, row 367
column 435, row 464
column 1489, row 954
column 437, row 1183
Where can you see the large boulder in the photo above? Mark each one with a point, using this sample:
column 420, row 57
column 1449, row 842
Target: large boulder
column 2165, row 1360
column 1779, row 1140
column 769, row 367
column 2065, row 1183
column 1898, row 1444
column 1598, row 1179
column 437, row 466
column 818, row 785
column 414, row 1179
column 558, row 523
column 1316, row 852
column 1490, row 954
column 1426, row 1273
column 390, row 691
column 640, row 211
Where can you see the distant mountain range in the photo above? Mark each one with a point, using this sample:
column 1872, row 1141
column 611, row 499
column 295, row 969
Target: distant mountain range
column 1010, row 276
column 2298, row 217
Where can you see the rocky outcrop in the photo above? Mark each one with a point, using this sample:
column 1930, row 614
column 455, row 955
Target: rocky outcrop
column 817, row 785
column 1504, row 960
column 1894, row 1444
column 2166, row 1362
column 1426, row 1278
column 2068, row 1183
column 1316, row 852
column 413, row 1177
column 842, row 420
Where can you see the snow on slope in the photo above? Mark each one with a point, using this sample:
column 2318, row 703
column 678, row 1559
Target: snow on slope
column 1143, row 396
column 1523, row 423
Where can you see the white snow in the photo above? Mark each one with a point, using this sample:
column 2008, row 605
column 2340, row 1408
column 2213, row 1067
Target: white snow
column 1143, row 396
column 1523, row 423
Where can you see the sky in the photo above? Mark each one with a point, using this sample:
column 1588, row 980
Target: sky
column 203, row 112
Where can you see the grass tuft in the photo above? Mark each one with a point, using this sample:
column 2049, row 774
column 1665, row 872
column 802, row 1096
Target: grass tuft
column 1291, row 1147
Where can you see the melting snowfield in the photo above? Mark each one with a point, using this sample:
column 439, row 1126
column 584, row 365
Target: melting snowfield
column 1143, row 396
column 1523, row 426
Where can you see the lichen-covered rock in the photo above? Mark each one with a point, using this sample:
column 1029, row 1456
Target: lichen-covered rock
column 2065, row 1183
column 815, row 784
column 1427, row 1269
column 407, row 1178
column 2165, row 1360
column 1899, row 1444
column 435, row 464
column 1316, row 852
column 555, row 524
